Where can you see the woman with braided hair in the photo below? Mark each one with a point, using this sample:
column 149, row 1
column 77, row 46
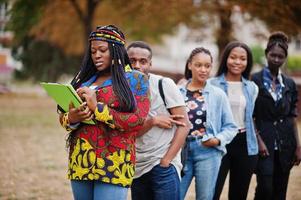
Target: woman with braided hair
column 102, row 156
column 212, row 126
column 275, row 113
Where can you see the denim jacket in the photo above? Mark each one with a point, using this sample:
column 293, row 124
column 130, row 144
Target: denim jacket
column 219, row 119
column 250, row 91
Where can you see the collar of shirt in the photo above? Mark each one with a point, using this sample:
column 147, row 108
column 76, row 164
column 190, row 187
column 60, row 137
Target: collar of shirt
column 268, row 81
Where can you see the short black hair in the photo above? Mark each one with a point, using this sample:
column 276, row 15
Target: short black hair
column 223, row 69
column 140, row 44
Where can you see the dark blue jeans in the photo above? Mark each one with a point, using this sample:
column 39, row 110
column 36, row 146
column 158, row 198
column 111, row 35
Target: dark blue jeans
column 161, row 183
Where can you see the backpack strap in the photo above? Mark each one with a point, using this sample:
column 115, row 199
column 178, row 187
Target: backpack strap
column 161, row 91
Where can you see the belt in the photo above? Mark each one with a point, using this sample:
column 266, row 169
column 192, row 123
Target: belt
column 192, row 137
column 242, row 130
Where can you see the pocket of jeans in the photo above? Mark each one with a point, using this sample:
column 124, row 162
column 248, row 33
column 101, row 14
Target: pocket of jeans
column 164, row 171
column 159, row 167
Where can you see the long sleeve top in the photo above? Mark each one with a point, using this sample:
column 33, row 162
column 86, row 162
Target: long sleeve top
column 275, row 122
column 219, row 118
column 250, row 92
column 106, row 151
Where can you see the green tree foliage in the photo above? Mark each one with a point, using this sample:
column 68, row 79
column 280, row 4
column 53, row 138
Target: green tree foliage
column 23, row 16
column 44, row 62
column 294, row 63
column 139, row 19
column 41, row 59
column 65, row 24
column 258, row 55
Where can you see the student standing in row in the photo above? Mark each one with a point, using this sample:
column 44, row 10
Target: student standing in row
column 212, row 126
column 275, row 114
column 241, row 158
column 102, row 156
column 159, row 141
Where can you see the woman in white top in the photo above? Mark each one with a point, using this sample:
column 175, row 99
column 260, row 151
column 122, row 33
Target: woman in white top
column 241, row 158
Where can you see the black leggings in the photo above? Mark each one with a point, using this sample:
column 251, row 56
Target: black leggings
column 241, row 167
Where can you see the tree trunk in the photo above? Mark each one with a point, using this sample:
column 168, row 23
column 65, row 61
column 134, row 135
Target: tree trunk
column 87, row 22
column 224, row 32
column 86, row 16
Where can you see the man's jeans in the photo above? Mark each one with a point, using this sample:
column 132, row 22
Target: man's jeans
column 97, row 190
column 202, row 163
column 161, row 183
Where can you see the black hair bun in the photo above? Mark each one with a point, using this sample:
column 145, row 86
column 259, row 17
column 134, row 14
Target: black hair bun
column 278, row 36
column 277, row 39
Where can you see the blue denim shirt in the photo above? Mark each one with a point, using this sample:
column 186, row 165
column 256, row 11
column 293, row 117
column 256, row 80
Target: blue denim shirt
column 250, row 91
column 219, row 118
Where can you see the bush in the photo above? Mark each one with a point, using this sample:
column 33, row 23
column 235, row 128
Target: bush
column 294, row 63
column 258, row 55
column 43, row 61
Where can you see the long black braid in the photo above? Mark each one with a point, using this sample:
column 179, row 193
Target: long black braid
column 120, row 84
column 87, row 70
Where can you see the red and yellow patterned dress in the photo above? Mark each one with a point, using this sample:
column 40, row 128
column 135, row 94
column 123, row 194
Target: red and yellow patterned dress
column 106, row 151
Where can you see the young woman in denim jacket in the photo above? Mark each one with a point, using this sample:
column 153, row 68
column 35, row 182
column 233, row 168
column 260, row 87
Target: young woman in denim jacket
column 212, row 126
column 275, row 114
column 241, row 158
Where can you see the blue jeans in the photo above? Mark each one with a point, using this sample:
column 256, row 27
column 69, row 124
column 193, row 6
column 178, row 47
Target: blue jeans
column 202, row 163
column 161, row 183
column 97, row 190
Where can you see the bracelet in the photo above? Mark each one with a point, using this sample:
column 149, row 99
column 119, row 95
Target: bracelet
column 65, row 122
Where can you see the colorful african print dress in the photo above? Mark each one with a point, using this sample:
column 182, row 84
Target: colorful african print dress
column 106, row 151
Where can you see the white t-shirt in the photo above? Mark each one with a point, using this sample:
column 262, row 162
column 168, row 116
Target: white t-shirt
column 153, row 145
column 238, row 102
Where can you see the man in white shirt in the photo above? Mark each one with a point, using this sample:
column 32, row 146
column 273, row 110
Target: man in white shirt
column 158, row 145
